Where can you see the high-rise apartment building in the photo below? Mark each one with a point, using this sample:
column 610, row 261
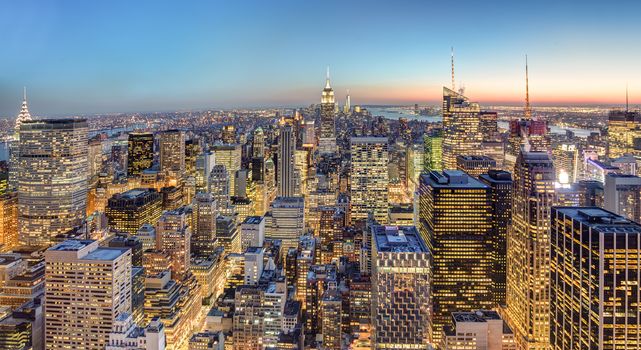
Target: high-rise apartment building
column 369, row 178
column 140, row 152
column 622, row 195
column 327, row 139
column 285, row 169
column 401, row 296
column 172, row 155
column 595, row 276
column 331, row 310
column 528, row 250
column 252, row 232
column 129, row 211
column 52, row 178
column 456, row 222
column 461, row 132
column 86, row 288
column 500, row 183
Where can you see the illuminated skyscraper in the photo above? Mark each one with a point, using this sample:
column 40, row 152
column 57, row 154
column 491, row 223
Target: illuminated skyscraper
column 229, row 134
column 8, row 221
column 14, row 146
column 129, row 211
column 52, row 178
column 401, row 307
column 456, row 224
column 621, row 132
column 433, row 150
column 595, row 276
column 172, row 154
column 86, row 288
column 327, row 140
column 532, row 131
column 286, row 220
column 461, row 133
column 369, row 178
column 229, row 156
column 331, row 319
column 173, row 236
column 500, row 183
column 140, row 153
column 286, row 148
column 204, row 214
column 528, row 250
column 258, row 144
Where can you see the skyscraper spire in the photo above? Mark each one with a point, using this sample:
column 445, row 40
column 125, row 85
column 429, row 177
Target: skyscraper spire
column 327, row 80
column 24, row 114
column 528, row 109
column 453, row 86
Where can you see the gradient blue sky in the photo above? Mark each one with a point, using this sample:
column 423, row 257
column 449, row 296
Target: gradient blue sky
column 116, row 56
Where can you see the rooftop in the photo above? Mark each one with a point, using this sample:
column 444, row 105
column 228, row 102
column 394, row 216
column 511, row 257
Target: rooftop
column 104, row 253
column 398, row 239
column 600, row 220
column 451, row 179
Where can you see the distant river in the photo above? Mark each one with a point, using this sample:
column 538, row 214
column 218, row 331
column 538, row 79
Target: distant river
column 399, row 112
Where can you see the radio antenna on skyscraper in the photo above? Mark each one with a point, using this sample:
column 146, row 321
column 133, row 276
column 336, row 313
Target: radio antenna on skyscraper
column 528, row 109
column 453, row 86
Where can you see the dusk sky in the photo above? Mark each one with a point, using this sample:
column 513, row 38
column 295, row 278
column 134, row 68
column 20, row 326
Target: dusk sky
column 122, row 56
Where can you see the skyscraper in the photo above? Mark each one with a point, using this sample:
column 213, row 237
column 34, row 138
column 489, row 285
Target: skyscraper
column 461, row 133
column 401, row 311
column 286, row 148
column 369, row 178
column 595, row 276
column 475, row 165
column 86, row 288
column 172, row 154
column 621, row 132
column 129, row 211
column 229, row 156
column 14, row 148
column 52, row 178
column 173, row 236
column 140, row 153
column 528, row 250
column 433, row 150
column 204, row 214
column 500, row 183
column 286, row 220
column 258, row 143
column 622, row 195
column 327, row 140
column 456, row 224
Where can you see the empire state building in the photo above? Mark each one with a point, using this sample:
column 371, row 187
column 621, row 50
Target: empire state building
column 327, row 140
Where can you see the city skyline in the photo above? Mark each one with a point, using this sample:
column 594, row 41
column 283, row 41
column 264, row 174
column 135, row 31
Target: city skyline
column 78, row 58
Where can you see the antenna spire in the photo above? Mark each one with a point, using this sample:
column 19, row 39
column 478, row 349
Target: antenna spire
column 528, row 109
column 453, row 85
column 24, row 93
column 327, row 79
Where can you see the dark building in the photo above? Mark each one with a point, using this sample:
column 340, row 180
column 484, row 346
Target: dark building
column 140, row 155
column 500, row 183
column 128, row 211
column 456, row 223
column 590, row 193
